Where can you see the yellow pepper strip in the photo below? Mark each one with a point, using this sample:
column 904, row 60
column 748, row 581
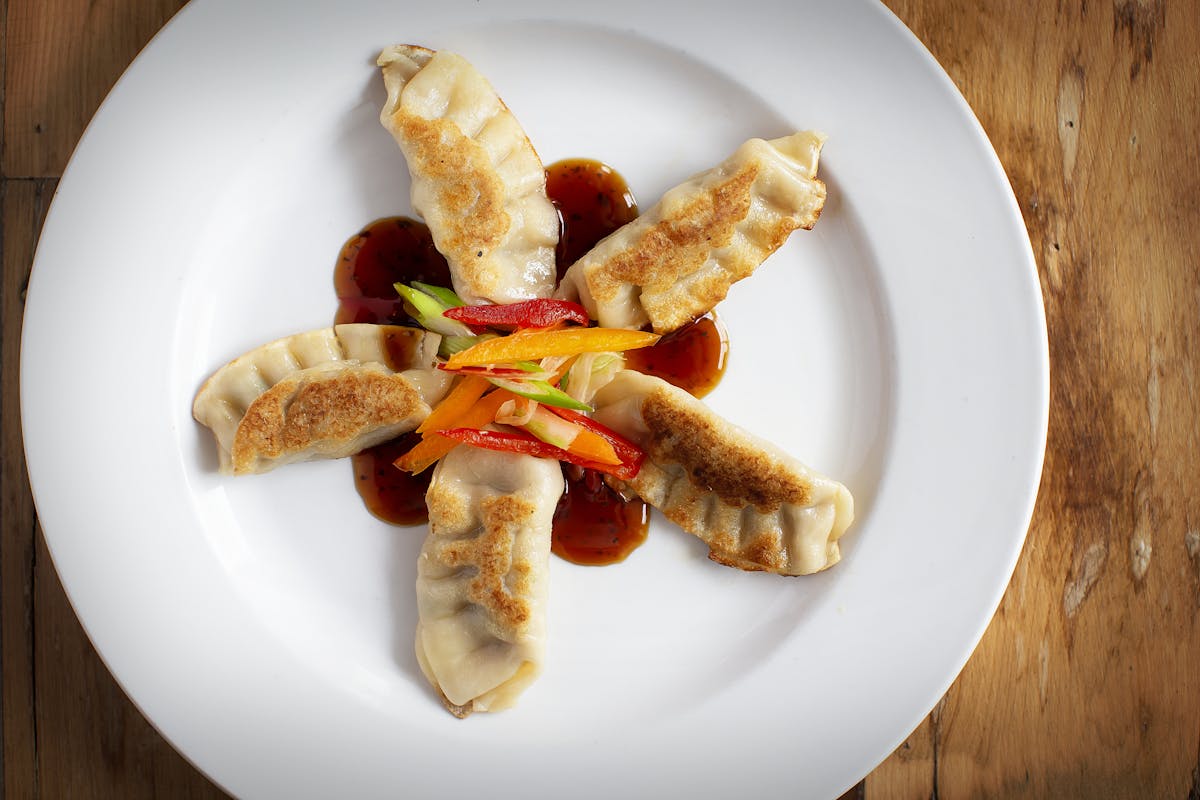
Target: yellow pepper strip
column 453, row 405
column 540, row 343
column 433, row 447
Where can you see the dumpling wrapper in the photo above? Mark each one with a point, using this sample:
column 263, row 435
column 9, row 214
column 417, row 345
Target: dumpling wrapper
column 678, row 260
column 476, row 179
column 483, row 576
column 755, row 506
column 327, row 393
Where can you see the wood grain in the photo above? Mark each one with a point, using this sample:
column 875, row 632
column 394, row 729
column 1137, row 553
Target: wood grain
column 1086, row 683
column 68, row 730
column 64, row 56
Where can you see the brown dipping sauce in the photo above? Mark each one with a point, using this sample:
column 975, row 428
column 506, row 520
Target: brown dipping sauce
column 692, row 358
column 389, row 250
column 389, row 493
column 593, row 524
column 592, row 199
column 386, row 251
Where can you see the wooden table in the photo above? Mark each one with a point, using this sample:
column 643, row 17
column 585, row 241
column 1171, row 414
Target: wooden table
column 1087, row 683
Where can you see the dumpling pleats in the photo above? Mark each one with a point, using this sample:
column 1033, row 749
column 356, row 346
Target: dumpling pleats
column 327, row 393
column 679, row 259
column 755, row 506
column 483, row 576
column 476, row 179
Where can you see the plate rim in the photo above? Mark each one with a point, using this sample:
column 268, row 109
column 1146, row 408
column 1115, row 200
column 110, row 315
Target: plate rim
column 1015, row 220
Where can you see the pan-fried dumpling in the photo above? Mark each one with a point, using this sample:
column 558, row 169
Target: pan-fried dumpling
column 476, row 180
column 482, row 576
column 678, row 260
column 756, row 507
column 326, row 393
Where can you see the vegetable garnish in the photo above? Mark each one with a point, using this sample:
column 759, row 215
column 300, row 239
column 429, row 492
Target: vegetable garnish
column 455, row 404
column 526, row 367
column 629, row 453
column 427, row 310
column 539, row 344
column 542, row 392
column 432, row 447
column 561, row 432
column 527, row 445
column 525, row 314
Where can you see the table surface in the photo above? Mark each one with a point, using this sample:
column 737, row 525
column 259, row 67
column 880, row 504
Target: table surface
column 1086, row 683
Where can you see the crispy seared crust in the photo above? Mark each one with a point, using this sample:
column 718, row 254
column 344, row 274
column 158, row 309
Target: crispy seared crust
column 501, row 582
column 252, row 381
column 482, row 577
column 679, row 245
column 329, row 410
column 468, row 190
column 756, row 507
column 697, row 440
column 477, row 179
column 680, row 258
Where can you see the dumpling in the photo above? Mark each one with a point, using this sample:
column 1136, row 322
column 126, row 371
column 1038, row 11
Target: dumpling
column 756, row 507
column 678, row 260
column 482, row 576
column 326, row 393
column 476, row 180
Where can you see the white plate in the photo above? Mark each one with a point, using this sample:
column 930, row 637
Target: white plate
column 264, row 624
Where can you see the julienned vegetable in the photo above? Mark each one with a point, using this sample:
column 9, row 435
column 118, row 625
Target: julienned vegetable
column 562, row 432
column 514, row 380
column 525, row 444
column 541, row 392
column 533, row 344
column 427, row 310
column 432, row 447
column 625, row 450
column 525, row 314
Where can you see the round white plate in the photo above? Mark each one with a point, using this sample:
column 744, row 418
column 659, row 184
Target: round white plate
column 264, row 624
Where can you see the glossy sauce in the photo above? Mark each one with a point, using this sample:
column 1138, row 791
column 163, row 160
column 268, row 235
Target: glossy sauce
column 593, row 524
column 389, row 493
column 692, row 358
column 386, row 251
column 592, row 199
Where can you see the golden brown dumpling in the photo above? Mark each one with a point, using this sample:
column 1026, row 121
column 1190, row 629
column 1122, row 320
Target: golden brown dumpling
column 476, row 179
column 755, row 506
column 678, row 260
column 483, row 576
column 326, row 393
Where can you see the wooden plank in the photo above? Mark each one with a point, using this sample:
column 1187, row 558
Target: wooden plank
column 910, row 772
column 68, row 729
column 22, row 207
column 1086, row 683
column 63, row 56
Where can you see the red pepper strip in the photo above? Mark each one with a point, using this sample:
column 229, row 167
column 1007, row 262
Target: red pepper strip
column 630, row 454
column 528, row 445
column 490, row 371
column 525, row 314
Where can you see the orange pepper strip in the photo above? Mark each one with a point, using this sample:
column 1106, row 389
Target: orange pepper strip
column 562, row 370
column 534, row 344
column 453, row 405
column 433, row 447
column 594, row 447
